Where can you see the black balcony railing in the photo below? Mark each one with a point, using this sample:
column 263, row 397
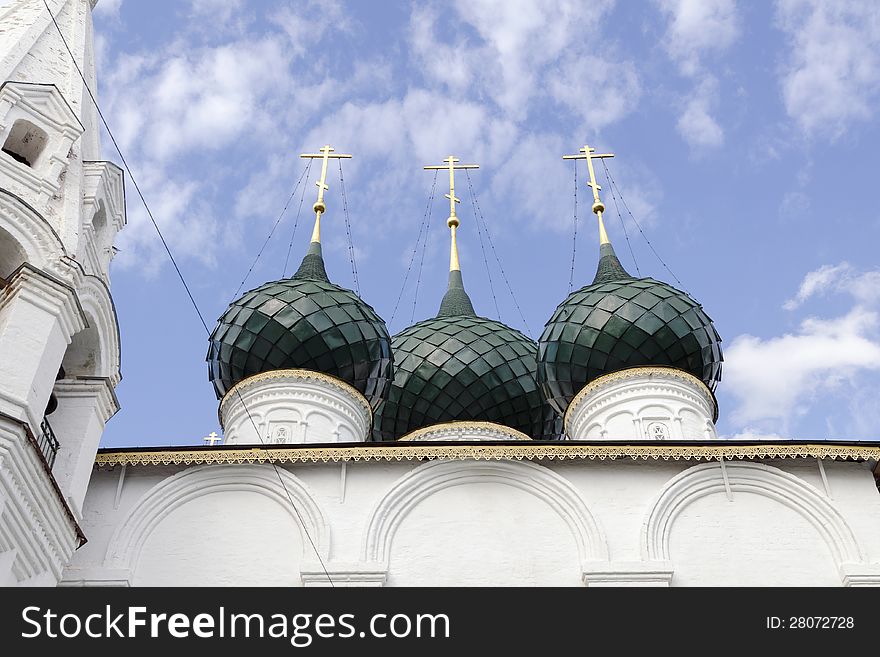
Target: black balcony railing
column 47, row 442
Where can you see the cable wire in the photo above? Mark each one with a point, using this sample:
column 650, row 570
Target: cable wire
column 127, row 168
column 180, row 275
column 296, row 221
column 354, row 271
column 495, row 253
column 620, row 217
column 272, row 232
column 636, row 222
column 412, row 315
column 422, row 227
column 574, row 237
column 485, row 259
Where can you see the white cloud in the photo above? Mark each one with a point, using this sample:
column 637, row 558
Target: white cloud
column 696, row 124
column 311, row 20
column 573, row 80
column 108, row 7
column 750, row 433
column 696, row 29
column 518, row 50
column 832, row 76
column 449, row 64
column 773, row 379
column 863, row 287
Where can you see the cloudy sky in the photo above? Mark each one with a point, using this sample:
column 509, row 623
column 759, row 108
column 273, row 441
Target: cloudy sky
column 746, row 141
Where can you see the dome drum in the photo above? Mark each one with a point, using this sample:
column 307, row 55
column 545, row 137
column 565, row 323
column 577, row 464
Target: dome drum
column 294, row 406
column 643, row 403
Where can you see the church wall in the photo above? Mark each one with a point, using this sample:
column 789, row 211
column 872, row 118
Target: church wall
column 470, row 522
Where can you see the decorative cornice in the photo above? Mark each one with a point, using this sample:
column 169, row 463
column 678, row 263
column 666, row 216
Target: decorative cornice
column 517, row 451
column 99, row 388
column 295, row 374
column 491, row 430
column 50, row 293
column 635, row 373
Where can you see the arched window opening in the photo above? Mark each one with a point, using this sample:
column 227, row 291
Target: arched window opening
column 12, row 256
column 25, row 142
column 82, row 357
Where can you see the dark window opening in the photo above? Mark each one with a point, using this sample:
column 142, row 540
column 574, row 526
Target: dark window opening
column 25, row 142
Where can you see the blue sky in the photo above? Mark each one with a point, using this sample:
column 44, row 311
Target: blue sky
column 746, row 145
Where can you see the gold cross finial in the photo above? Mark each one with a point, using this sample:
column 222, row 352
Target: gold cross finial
column 212, row 438
column 325, row 153
column 452, row 222
column 589, row 154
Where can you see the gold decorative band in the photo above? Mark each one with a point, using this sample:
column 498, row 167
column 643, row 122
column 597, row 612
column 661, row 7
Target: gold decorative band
column 635, row 372
column 510, row 451
column 297, row 374
column 479, row 427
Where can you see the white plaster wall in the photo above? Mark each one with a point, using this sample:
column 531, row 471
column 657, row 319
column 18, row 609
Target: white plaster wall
column 772, row 545
column 223, row 539
column 518, row 537
column 462, row 523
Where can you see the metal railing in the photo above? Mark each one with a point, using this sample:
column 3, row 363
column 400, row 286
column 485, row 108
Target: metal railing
column 47, row 442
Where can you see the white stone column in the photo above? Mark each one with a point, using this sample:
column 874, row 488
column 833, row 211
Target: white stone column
column 84, row 406
column 39, row 314
column 294, row 406
column 643, row 403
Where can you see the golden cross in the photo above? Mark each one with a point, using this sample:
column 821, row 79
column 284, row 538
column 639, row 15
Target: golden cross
column 589, row 154
column 212, row 438
column 452, row 166
column 325, row 153
column 452, row 222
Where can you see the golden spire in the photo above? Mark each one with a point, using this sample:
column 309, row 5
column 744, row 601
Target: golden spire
column 590, row 154
column 453, row 222
column 325, row 153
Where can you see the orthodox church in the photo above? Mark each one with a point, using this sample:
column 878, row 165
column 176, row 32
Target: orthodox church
column 458, row 452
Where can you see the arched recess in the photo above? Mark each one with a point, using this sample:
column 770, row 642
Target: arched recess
column 557, row 492
column 29, row 231
column 101, row 336
column 124, row 548
column 12, row 256
column 757, row 478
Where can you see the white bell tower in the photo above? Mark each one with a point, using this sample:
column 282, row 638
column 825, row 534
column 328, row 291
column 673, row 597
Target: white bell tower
column 60, row 210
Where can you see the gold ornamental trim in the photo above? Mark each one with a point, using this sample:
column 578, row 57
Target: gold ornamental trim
column 510, row 433
column 503, row 451
column 635, row 372
column 308, row 375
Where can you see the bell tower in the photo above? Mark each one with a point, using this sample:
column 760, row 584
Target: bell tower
column 60, row 209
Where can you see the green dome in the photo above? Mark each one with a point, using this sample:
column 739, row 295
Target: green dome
column 618, row 322
column 458, row 366
column 303, row 322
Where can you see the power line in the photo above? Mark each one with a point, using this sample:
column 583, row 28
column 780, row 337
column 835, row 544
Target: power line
column 622, row 222
column 574, row 237
column 495, row 253
column 180, row 275
column 412, row 315
column 422, row 227
column 636, row 222
column 354, row 272
column 272, row 232
column 483, row 250
column 302, row 197
column 127, row 168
